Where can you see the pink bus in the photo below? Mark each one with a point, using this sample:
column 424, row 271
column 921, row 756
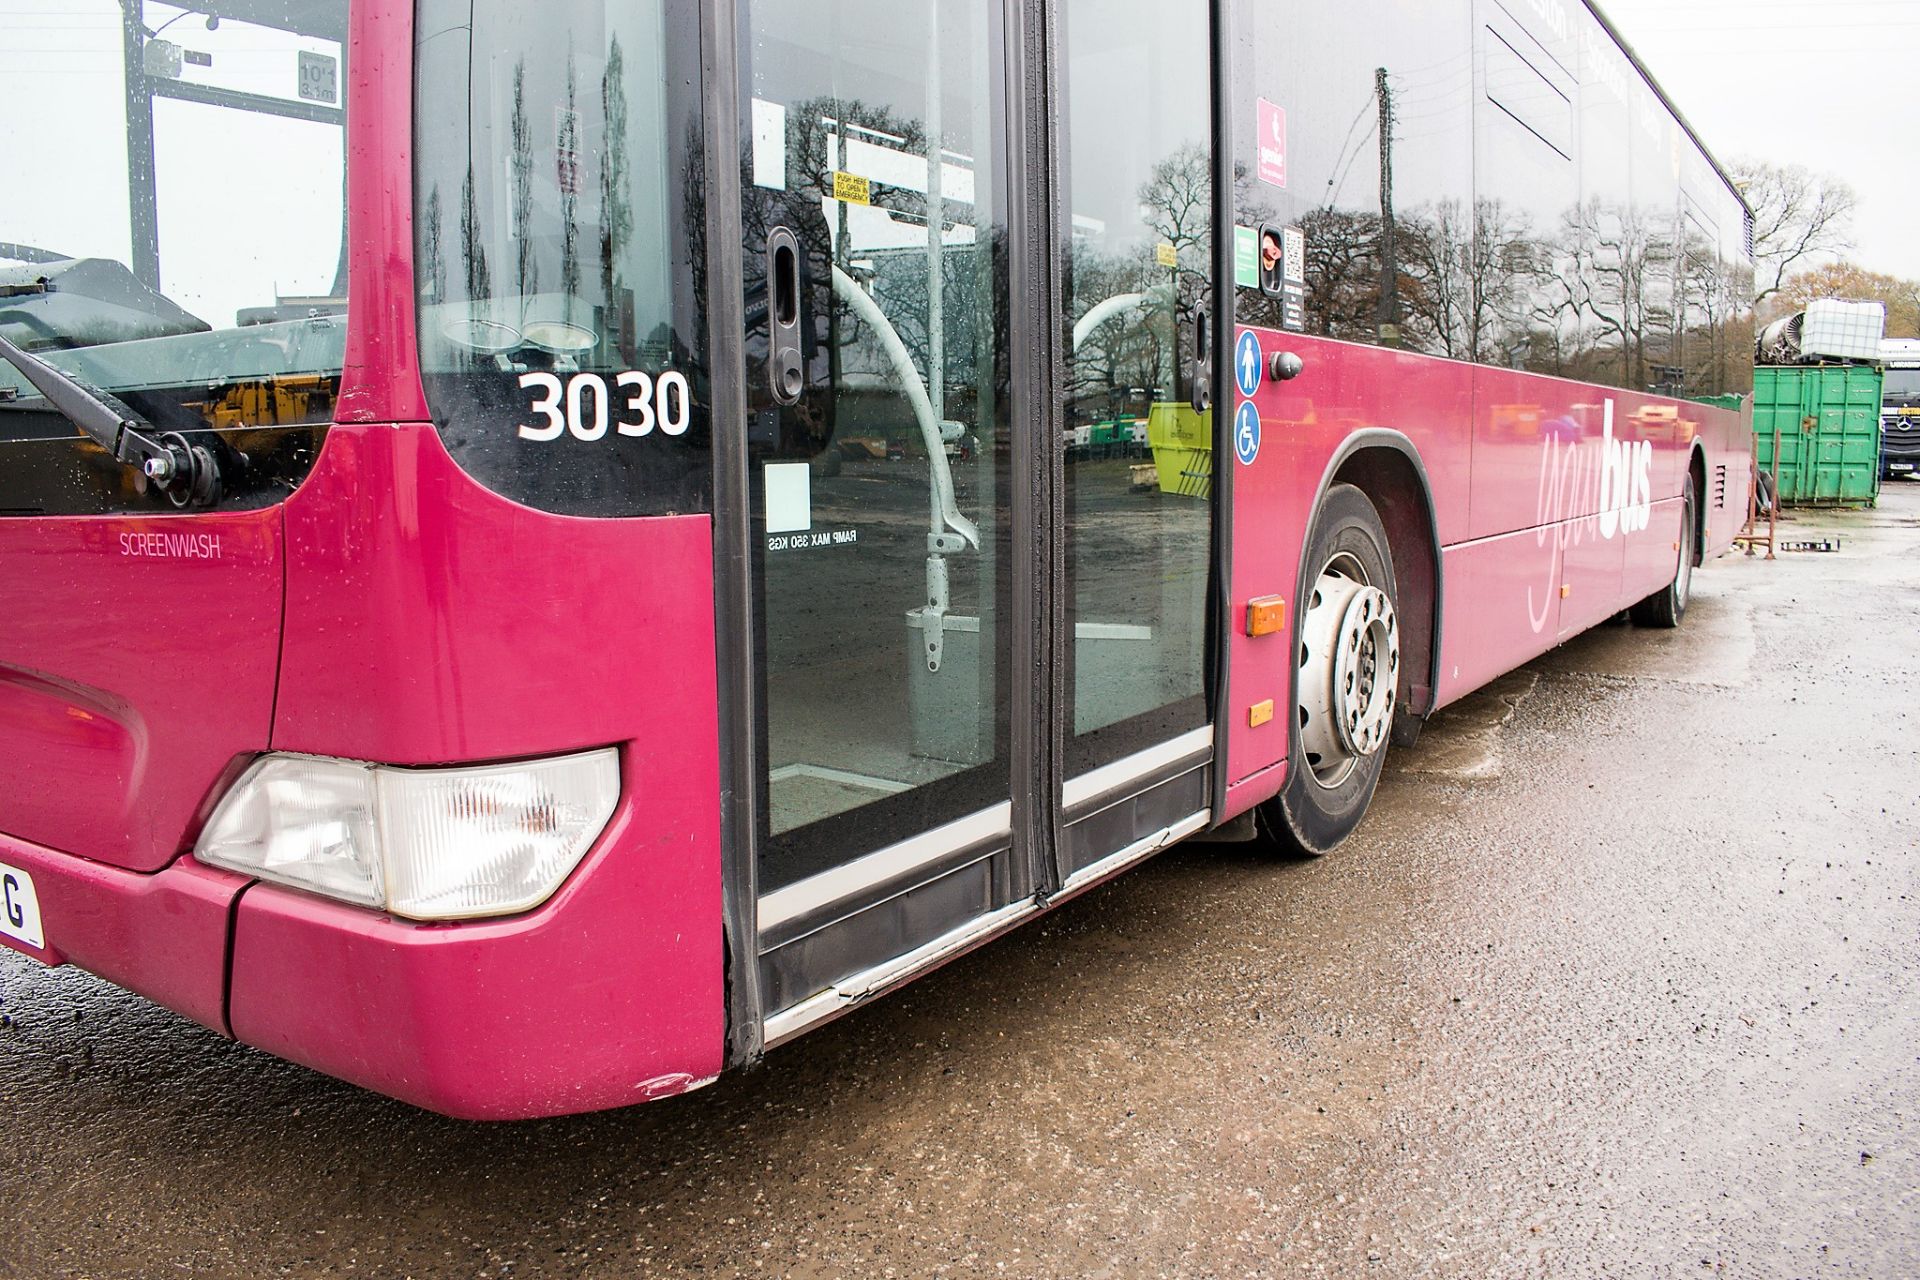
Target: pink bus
column 551, row 548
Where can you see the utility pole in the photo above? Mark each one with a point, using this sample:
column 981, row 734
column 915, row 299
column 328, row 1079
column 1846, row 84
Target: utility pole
column 936, row 228
column 142, row 197
column 1389, row 315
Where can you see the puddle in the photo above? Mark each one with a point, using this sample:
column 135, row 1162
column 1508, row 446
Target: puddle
column 1464, row 741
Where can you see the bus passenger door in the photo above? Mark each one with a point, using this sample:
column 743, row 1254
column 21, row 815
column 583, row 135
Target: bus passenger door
column 1137, row 449
column 927, row 769
column 878, row 452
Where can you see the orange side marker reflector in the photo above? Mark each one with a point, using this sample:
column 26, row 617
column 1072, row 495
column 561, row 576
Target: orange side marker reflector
column 1266, row 615
column 1566, row 590
column 1260, row 713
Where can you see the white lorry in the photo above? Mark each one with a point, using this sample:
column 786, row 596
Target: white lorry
column 1900, row 408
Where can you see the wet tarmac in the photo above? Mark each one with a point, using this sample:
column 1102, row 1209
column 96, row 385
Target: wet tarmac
column 1618, row 980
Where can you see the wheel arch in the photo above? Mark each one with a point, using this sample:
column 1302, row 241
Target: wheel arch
column 1387, row 467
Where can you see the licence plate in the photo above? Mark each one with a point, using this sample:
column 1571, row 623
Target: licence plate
column 20, row 908
column 1899, row 466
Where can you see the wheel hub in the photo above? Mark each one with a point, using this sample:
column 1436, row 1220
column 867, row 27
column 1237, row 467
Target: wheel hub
column 1349, row 671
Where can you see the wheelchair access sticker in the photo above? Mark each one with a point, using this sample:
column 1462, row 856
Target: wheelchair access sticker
column 1246, row 433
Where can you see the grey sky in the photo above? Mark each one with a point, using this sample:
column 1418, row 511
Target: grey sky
column 1830, row 84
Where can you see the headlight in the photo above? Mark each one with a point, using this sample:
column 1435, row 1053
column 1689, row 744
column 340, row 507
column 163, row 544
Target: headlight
column 430, row 844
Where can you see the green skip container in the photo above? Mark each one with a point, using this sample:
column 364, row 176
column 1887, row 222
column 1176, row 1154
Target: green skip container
column 1829, row 421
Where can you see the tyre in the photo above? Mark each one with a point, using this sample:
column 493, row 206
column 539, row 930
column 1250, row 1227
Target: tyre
column 1346, row 644
column 1666, row 608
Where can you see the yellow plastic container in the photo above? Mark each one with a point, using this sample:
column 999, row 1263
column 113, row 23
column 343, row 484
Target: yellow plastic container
column 1182, row 444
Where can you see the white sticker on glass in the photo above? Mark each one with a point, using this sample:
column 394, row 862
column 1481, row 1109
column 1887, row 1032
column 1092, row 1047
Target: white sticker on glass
column 769, row 145
column 789, row 488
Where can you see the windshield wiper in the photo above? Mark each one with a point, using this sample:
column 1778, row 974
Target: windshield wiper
column 184, row 471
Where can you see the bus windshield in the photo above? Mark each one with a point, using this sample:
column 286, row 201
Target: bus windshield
column 174, row 233
column 556, row 193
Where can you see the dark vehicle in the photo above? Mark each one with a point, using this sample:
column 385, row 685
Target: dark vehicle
column 1900, row 409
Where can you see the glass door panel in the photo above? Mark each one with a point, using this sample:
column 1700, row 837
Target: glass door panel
column 878, row 432
column 1138, row 431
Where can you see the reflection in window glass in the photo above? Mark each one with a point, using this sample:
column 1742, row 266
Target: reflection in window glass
column 872, row 145
column 1734, row 319
column 1524, row 291
column 1608, row 351
column 1650, row 250
column 188, row 256
column 1716, row 298
column 553, row 252
column 1390, row 251
column 1139, row 458
column 1476, row 183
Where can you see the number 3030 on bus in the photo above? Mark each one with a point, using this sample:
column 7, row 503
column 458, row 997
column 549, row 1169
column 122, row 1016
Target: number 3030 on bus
column 580, row 406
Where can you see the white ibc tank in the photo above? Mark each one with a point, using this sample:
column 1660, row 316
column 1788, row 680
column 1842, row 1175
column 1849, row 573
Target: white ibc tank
column 1841, row 330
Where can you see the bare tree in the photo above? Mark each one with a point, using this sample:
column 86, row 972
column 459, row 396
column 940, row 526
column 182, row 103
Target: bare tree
column 1626, row 276
column 1176, row 201
column 1176, row 204
column 1438, row 252
column 1797, row 215
column 1343, row 274
column 1121, row 363
column 527, row 273
column 1713, row 303
column 1481, row 286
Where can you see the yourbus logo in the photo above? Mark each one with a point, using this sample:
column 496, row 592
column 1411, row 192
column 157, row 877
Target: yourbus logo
column 1626, row 482
column 1596, row 489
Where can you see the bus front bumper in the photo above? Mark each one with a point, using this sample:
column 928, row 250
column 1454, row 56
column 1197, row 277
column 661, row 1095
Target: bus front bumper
column 603, row 997
column 161, row 935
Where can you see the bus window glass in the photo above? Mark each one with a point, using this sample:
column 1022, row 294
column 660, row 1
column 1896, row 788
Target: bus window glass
column 1650, row 247
column 174, row 234
column 1697, row 300
column 1606, row 284
column 1139, row 192
column 560, row 321
column 1734, row 307
column 1318, row 72
column 1439, row 266
column 1525, row 295
column 874, row 230
column 1397, row 270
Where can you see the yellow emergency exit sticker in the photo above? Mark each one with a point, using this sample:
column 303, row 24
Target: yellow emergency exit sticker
column 851, row 188
column 1166, row 255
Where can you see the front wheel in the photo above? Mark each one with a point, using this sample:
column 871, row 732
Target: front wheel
column 1665, row 609
column 1347, row 678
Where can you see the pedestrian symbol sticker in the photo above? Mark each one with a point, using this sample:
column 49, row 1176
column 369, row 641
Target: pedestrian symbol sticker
column 1247, row 360
column 1246, row 433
